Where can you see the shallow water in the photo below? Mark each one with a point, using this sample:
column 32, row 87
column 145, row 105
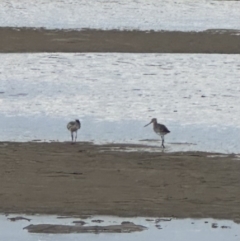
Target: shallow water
column 174, row 230
column 184, row 15
column 114, row 95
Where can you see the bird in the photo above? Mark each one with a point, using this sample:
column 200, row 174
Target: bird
column 74, row 126
column 159, row 129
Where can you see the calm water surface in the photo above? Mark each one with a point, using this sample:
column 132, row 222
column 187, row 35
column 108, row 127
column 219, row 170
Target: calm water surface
column 174, row 230
column 114, row 95
column 184, row 15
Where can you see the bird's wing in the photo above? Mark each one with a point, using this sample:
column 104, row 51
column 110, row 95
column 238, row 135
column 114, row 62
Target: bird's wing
column 165, row 129
column 70, row 124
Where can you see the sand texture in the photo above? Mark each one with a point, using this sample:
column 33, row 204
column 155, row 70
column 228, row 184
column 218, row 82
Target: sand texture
column 21, row 40
column 86, row 179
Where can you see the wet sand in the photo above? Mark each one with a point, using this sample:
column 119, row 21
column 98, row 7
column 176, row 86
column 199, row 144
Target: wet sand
column 87, row 179
column 23, row 40
column 53, row 228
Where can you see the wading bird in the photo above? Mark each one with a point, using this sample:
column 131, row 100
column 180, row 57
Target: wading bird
column 160, row 129
column 74, row 126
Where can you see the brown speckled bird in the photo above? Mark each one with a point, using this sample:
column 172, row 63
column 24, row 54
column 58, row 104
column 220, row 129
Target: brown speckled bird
column 74, row 126
column 159, row 129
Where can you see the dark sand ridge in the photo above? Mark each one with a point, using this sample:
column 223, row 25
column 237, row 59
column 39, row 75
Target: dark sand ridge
column 22, row 40
column 87, row 179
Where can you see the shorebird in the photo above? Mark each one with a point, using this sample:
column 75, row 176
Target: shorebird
column 159, row 129
column 74, row 126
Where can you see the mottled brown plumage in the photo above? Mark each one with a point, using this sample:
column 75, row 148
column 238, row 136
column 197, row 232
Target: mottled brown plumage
column 74, row 126
column 160, row 129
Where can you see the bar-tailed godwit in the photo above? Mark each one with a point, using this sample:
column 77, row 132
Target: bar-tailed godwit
column 74, row 126
column 160, row 129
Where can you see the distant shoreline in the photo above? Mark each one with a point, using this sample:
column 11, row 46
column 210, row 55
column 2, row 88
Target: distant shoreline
column 35, row 40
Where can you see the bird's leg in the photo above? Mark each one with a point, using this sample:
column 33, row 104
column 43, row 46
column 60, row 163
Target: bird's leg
column 76, row 137
column 163, row 141
column 72, row 135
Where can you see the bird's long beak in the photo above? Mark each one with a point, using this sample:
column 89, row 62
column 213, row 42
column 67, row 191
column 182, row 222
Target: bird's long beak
column 148, row 124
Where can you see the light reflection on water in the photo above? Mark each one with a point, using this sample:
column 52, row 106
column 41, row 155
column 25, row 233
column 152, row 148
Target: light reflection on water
column 114, row 95
column 181, row 15
column 174, row 230
column 182, row 138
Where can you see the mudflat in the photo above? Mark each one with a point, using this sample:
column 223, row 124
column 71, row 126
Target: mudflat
column 88, row 179
column 31, row 40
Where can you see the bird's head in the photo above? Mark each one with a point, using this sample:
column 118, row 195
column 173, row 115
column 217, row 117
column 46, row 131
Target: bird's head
column 154, row 120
